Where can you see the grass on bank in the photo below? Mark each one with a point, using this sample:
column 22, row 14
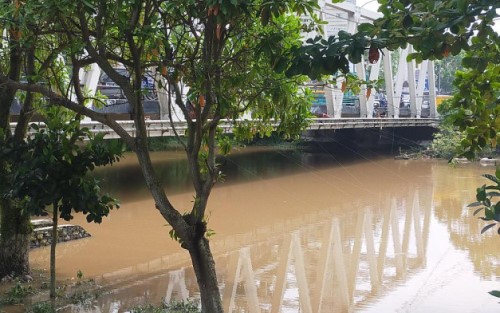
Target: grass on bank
column 32, row 296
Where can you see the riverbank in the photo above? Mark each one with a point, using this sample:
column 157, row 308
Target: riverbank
column 32, row 295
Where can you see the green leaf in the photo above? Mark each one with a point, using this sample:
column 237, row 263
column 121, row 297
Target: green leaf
column 474, row 204
column 487, row 227
column 265, row 16
column 281, row 65
column 412, row 56
column 495, row 293
column 365, row 27
column 478, row 210
column 492, row 178
column 407, row 21
column 492, row 193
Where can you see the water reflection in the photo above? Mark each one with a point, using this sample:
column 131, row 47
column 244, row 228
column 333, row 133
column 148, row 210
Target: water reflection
column 311, row 235
column 241, row 166
column 327, row 264
column 453, row 193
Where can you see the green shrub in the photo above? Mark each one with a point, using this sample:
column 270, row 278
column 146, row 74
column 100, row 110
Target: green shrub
column 16, row 294
column 446, row 143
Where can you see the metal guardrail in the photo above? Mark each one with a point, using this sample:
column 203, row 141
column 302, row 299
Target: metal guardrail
column 162, row 128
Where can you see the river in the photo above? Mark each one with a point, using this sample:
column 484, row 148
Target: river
column 309, row 231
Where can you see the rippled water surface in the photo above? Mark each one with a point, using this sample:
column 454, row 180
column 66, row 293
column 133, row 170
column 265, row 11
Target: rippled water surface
column 299, row 232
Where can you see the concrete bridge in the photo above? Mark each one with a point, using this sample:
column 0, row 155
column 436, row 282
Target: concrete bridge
column 165, row 128
column 408, row 94
column 407, row 99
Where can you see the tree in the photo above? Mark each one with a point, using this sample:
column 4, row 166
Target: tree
column 475, row 108
column 484, row 197
column 50, row 169
column 446, row 142
column 445, row 72
column 221, row 51
column 436, row 30
column 22, row 55
column 14, row 227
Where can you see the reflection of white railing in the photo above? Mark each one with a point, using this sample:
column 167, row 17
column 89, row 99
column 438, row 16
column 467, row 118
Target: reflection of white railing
column 164, row 128
column 339, row 268
column 177, row 283
column 335, row 265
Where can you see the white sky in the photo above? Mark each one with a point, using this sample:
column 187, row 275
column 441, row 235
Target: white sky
column 372, row 5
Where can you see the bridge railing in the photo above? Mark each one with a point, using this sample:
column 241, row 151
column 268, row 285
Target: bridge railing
column 165, row 128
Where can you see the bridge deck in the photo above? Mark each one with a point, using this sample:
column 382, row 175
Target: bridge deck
column 159, row 128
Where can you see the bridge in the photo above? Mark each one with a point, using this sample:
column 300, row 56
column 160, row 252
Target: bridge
column 165, row 128
column 408, row 98
column 408, row 94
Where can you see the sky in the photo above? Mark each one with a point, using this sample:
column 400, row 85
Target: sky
column 372, row 5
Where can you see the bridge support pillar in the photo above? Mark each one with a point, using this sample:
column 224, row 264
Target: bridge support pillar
column 432, row 90
column 401, row 75
column 389, row 82
column 374, row 73
column 421, row 87
column 337, row 98
column 414, row 107
column 329, row 96
column 91, row 79
column 360, row 70
column 163, row 96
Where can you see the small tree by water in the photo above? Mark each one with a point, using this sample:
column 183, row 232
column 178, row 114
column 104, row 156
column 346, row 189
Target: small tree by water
column 50, row 172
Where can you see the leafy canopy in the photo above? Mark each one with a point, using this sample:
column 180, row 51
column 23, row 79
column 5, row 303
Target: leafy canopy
column 52, row 166
column 485, row 201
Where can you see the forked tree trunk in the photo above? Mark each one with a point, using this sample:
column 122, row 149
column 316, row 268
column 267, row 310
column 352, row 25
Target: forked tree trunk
column 198, row 247
column 204, row 268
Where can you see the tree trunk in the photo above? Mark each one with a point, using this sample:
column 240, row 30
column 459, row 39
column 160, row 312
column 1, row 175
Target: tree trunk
column 15, row 228
column 53, row 255
column 14, row 241
column 204, row 268
column 197, row 244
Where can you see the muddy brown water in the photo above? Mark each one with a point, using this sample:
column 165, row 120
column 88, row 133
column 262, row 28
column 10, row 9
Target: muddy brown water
column 298, row 232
